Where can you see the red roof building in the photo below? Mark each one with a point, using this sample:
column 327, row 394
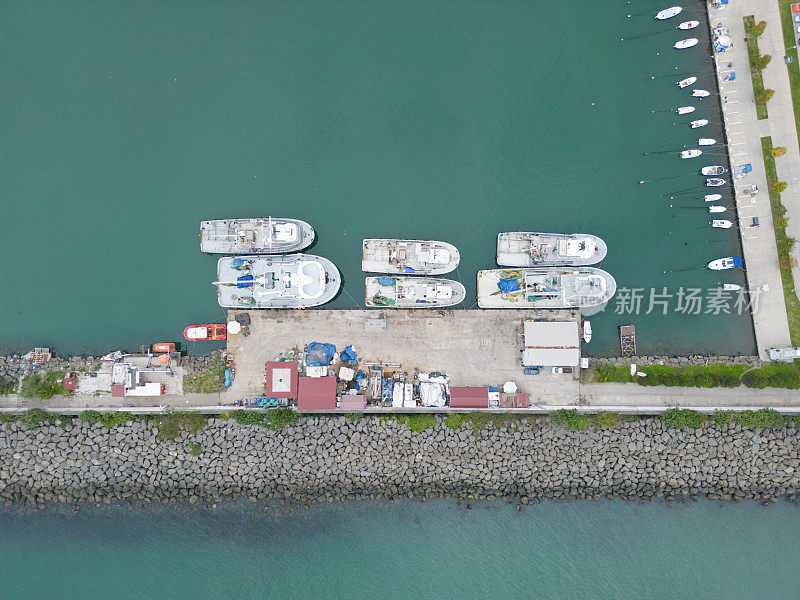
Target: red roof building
column 316, row 393
column 281, row 380
column 469, row 397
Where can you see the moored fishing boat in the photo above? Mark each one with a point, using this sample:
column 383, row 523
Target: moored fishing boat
column 531, row 249
column 722, row 264
column 255, row 236
column 283, row 281
column 712, row 197
column 699, row 123
column 410, row 257
column 685, row 110
column 553, row 287
column 413, row 292
column 722, row 223
column 694, row 153
column 687, row 43
column 716, row 209
column 700, row 93
column 686, row 25
column 686, row 82
column 587, row 331
column 714, row 182
column 731, row 287
column 713, row 170
column 209, row 331
column 706, row 142
column 668, row 13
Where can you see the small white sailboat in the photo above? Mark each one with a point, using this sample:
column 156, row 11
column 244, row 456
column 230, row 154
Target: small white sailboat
column 715, row 182
column 716, row 208
column 712, row 197
column 587, row 331
column 699, row 123
column 713, row 170
column 686, row 82
column 721, row 264
column 706, row 141
column 731, row 287
column 700, row 93
column 688, row 25
column 694, row 153
column 721, row 223
column 668, row 13
column 685, row 110
column 687, row 43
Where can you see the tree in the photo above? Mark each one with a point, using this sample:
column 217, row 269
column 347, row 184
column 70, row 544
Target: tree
column 779, row 186
column 778, row 151
column 761, row 62
column 758, row 28
column 764, row 96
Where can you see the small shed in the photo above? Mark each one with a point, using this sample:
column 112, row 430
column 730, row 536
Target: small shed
column 469, row 397
column 551, row 343
column 353, row 402
column 316, row 393
column 281, row 379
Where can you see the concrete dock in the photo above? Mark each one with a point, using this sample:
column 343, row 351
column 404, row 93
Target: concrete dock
column 472, row 347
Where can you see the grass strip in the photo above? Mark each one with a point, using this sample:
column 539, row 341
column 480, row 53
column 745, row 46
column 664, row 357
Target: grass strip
column 753, row 53
column 783, row 241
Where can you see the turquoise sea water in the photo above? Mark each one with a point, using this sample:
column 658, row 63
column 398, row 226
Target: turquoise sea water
column 404, row 550
column 127, row 123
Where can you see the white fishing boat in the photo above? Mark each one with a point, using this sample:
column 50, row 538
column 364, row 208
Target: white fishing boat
column 731, row 287
column 668, row 13
column 413, row 292
column 712, row 197
column 686, row 25
column 112, row 356
column 283, row 281
column 715, row 182
column 699, row 123
column 685, row 110
column 694, row 153
column 700, row 93
column 721, row 223
column 255, row 236
column 715, row 208
column 553, row 287
column 706, row 142
column 687, row 43
column 713, row 170
column 587, row 332
column 408, row 257
column 531, row 249
column 686, row 82
column 722, row 264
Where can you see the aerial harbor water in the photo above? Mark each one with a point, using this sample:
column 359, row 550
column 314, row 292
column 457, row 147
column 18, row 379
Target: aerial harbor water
column 406, row 549
column 130, row 123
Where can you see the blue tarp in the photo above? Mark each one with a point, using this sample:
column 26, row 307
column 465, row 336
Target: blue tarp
column 228, row 378
column 737, row 261
column 239, row 263
column 348, row 355
column 508, row 285
column 319, row 355
column 266, row 402
column 244, row 281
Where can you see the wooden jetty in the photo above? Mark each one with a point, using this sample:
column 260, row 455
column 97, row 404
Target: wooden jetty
column 627, row 340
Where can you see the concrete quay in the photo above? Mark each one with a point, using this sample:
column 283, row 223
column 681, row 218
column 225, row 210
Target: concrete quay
column 472, row 347
column 744, row 132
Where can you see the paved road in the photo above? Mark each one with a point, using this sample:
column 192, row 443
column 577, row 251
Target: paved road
column 744, row 132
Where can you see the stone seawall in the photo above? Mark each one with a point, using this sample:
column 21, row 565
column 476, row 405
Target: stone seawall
column 333, row 458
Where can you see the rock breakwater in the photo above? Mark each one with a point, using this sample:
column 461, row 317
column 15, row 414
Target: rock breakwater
column 336, row 458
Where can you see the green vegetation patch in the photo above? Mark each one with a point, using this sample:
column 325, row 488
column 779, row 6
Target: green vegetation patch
column 678, row 418
column 277, row 418
column 110, row 420
column 354, row 416
column 417, row 422
column 783, row 375
column 754, row 55
column 571, row 419
column 195, row 449
column 787, row 26
column 749, row 419
column 455, row 421
column 44, row 386
column 785, row 243
column 207, row 383
column 170, row 425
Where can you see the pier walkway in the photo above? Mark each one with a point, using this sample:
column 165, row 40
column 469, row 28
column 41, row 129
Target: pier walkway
column 744, row 132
